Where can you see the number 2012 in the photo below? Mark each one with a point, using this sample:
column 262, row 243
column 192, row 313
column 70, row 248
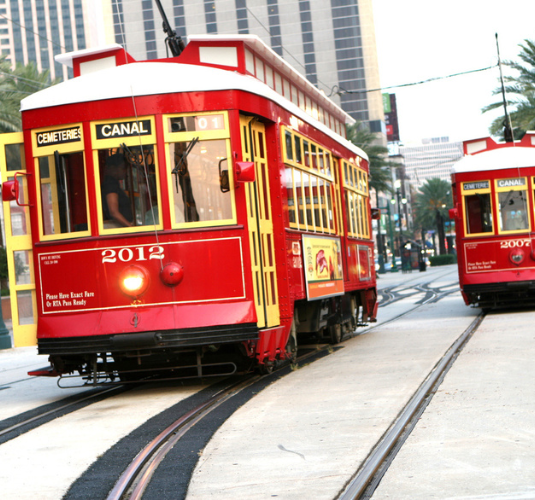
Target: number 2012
column 132, row 254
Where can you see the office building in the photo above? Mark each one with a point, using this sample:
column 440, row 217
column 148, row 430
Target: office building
column 331, row 43
column 433, row 158
column 37, row 30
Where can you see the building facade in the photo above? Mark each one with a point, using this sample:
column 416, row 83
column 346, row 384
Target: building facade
column 37, row 30
column 331, row 43
column 433, row 158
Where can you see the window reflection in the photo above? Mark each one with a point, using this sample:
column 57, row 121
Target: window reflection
column 513, row 211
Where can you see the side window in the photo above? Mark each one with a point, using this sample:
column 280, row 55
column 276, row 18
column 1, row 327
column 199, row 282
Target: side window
column 478, row 214
column 60, row 166
column 478, row 207
column 512, row 204
column 356, row 198
column 63, row 194
column 309, row 184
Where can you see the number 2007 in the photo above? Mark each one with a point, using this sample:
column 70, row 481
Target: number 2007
column 128, row 254
column 515, row 243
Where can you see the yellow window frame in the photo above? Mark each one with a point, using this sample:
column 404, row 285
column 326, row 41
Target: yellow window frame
column 503, row 189
column 355, row 182
column 40, row 151
column 115, row 143
column 222, row 133
column 323, row 156
column 477, row 190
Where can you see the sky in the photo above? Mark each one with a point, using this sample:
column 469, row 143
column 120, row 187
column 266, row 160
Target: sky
column 422, row 39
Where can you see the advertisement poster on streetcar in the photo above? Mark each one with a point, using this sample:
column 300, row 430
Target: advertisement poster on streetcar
column 323, row 267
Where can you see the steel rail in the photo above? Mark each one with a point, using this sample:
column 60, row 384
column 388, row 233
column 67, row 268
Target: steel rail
column 364, row 476
column 137, row 475
column 59, row 409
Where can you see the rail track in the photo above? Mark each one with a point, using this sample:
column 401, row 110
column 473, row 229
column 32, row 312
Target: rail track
column 367, row 478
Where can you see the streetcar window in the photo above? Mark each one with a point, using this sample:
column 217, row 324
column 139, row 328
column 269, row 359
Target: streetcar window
column 197, row 193
column 306, row 148
column 128, row 187
column 297, row 143
column 356, row 193
column 289, row 148
column 63, row 193
column 290, row 195
column 513, row 211
column 478, row 213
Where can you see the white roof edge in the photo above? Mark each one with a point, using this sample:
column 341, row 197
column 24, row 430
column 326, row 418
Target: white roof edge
column 496, row 159
column 126, row 82
column 265, row 50
column 68, row 57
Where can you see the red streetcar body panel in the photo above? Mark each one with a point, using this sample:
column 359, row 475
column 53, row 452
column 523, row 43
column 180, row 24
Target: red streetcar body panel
column 219, row 257
column 494, row 200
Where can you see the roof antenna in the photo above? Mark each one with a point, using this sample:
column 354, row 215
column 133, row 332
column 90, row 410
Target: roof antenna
column 507, row 125
column 173, row 42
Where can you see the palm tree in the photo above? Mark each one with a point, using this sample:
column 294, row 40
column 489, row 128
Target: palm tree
column 522, row 88
column 15, row 85
column 431, row 206
column 380, row 177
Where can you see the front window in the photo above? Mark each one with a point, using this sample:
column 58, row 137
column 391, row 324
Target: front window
column 128, row 187
column 199, row 170
column 512, row 204
column 200, row 181
column 126, row 173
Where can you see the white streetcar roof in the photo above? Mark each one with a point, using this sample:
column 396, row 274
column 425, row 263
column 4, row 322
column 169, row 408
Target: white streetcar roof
column 496, row 159
column 152, row 78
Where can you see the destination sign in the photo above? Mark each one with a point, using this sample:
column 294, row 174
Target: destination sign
column 511, row 182
column 471, row 186
column 62, row 136
column 123, row 129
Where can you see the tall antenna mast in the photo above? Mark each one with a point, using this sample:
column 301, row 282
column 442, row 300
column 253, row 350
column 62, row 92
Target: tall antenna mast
column 173, row 42
column 507, row 125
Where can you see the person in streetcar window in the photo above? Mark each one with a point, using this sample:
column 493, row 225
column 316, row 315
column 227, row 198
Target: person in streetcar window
column 116, row 205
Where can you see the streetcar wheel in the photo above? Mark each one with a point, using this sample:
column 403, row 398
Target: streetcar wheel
column 335, row 333
column 291, row 345
column 266, row 368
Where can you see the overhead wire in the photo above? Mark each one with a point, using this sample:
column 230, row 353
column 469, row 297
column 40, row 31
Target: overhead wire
column 428, row 80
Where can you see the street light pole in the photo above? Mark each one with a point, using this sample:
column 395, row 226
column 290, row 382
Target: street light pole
column 394, row 267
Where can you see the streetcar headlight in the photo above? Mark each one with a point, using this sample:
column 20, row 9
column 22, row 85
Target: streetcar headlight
column 133, row 281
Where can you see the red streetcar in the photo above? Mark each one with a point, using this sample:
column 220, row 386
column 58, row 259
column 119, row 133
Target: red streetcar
column 191, row 214
column 494, row 212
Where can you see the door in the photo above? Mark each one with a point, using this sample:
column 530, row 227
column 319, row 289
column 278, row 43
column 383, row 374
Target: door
column 260, row 224
column 19, row 243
